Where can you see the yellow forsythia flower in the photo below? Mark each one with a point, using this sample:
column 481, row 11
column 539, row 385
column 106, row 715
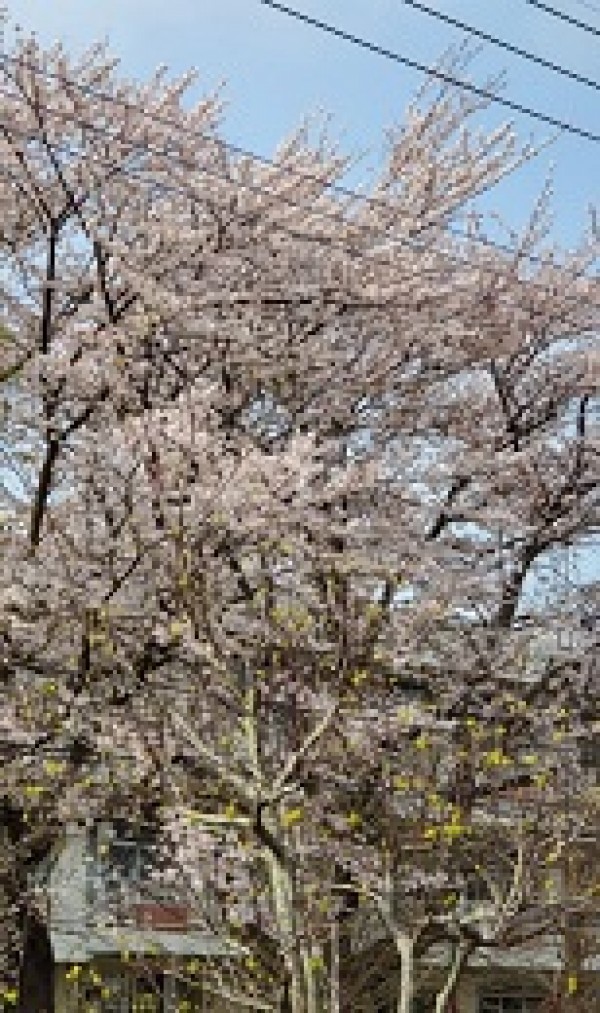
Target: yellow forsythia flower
column 572, row 984
column 495, row 758
column 354, row 820
column 358, row 677
column 452, row 830
column 291, row 817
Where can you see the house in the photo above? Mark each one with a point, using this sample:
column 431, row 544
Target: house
column 118, row 940
column 121, row 942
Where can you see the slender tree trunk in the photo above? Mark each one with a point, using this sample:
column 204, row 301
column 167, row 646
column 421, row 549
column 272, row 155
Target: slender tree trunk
column 310, row 981
column 405, row 947
column 445, row 994
column 283, row 904
column 301, row 994
column 335, row 968
column 37, row 970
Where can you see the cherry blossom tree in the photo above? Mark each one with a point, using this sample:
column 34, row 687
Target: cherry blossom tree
column 285, row 459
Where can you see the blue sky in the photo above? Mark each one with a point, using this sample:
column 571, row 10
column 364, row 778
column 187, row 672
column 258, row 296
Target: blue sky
column 276, row 71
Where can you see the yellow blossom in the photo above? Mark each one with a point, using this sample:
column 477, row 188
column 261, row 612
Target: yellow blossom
column 495, row 758
column 291, row 817
column 359, row 677
column 176, row 628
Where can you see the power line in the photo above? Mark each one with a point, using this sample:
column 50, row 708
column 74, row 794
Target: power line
column 508, row 46
column 261, row 159
column 554, row 12
column 324, row 241
column 320, row 240
column 388, row 54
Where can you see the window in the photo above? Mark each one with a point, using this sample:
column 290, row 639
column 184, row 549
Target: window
column 510, row 1004
column 119, row 865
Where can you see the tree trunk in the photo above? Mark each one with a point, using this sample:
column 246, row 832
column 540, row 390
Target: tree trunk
column 36, row 992
column 283, row 905
column 405, row 947
column 446, row 993
column 301, row 992
column 309, row 982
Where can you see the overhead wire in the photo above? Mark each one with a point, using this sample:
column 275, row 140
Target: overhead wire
column 261, row 159
column 388, row 54
column 321, row 240
column 372, row 256
column 162, row 188
column 524, row 54
column 309, row 237
column 554, row 12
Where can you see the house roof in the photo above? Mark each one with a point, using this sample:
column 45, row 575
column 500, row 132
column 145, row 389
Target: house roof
column 82, row 946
